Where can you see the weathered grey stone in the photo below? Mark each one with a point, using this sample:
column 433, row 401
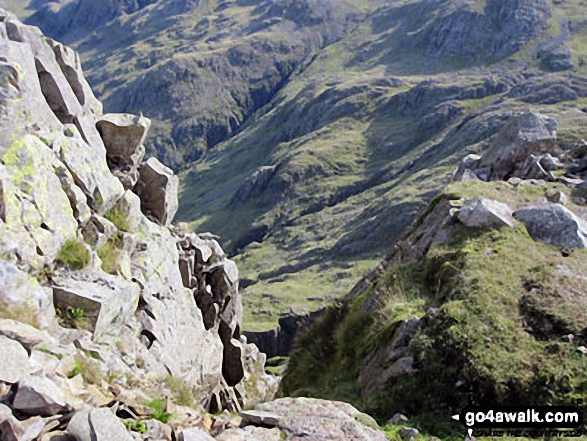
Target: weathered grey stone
column 14, row 360
column 256, row 385
column 37, row 213
column 58, row 435
column 26, row 335
column 130, row 206
column 38, row 395
column 409, row 433
column 251, row 433
column 482, row 212
column 260, row 417
column 529, row 133
column 122, row 134
column 107, row 301
column 320, row 419
column 554, row 224
column 90, row 171
column 398, row 419
column 97, row 425
column 194, row 434
column 558, row 198
column 157, row 189
column 24, row 299
column 463, row 171
column 186, row 266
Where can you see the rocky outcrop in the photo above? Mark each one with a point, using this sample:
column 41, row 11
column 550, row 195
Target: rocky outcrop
column 528, row 134
column 279, row 342
column 157, row 188
column 102, row 304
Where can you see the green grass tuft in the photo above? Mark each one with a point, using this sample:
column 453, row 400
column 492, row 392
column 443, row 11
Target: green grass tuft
column 73, row 254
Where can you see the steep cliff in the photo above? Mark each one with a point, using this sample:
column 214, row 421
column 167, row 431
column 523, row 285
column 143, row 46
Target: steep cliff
column 102, row 302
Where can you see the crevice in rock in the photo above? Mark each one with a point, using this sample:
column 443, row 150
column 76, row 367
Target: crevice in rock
column 148, row 338
column 52, row 94
column 72, row 78
column 79, row 128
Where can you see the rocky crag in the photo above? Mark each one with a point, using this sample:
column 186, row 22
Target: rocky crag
column 482, row 300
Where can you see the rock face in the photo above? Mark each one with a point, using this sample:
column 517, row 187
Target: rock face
column 554, row 224
column 279, row 342
column 99, row 299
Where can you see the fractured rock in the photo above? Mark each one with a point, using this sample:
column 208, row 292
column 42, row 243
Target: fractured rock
column 554, row 224
column 260, row 417
column 319, row 419
column 250, row 433
column 482, row 212
column 26, row 335
column 529, row 133
column 107, row 301
column 97, row 425
column 157, row 187
column 14, row 360
column 123, row 136
column 194, row 434
column 24, row 298
column 38, row 395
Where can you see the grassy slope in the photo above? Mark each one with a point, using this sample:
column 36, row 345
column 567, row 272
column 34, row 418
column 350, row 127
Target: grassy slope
column 351, row 148
column 496, row 289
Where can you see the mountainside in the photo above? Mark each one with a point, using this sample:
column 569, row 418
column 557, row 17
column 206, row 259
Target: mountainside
column 481, row 302
column 320, row 129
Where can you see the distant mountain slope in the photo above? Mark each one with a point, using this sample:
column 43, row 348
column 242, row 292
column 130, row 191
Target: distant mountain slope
column 320, row 128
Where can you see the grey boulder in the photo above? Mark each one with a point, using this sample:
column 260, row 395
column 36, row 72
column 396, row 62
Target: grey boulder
column 97, row 425
column 554, row 224
column 14, row 360
column 38, row 395
column 157, row 187
column 482, row 212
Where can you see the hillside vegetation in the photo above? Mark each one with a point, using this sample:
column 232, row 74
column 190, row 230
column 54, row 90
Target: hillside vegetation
column 319, row 129
column 489, row 315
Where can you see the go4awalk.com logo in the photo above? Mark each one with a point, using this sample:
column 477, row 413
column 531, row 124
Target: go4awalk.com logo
column 526, row 421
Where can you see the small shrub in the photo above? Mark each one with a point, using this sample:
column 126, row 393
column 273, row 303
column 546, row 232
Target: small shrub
column 137, row 426
column 118, row 218
column 159, row 408
column 77, row 369
column 73, row 254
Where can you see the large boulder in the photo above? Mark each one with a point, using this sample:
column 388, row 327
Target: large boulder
column 315, row 419
column 554, row 224
column 38, row 395
column 157, row 187
column 527, row 134
column 97, row 425
column 123, row 136
column 107, row 302
column 483, row 212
